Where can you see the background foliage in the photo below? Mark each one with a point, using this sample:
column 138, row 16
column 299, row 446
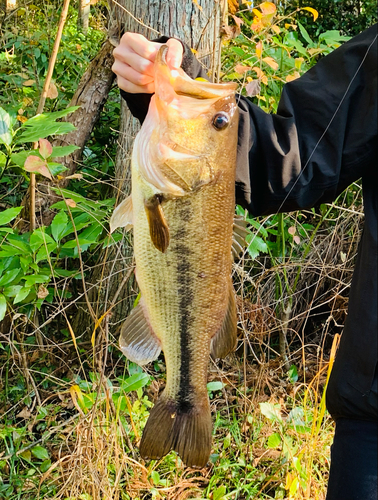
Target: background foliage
column 72, row 409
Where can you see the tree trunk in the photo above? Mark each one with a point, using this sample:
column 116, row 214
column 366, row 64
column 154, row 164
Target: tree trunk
column 198, row 25
column 91, row 96
column 83, row 17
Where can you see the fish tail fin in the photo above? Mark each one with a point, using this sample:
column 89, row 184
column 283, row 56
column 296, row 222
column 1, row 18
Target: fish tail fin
column 183, row 427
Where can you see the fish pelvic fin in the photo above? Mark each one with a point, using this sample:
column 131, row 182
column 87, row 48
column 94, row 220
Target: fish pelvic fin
column 185, row 428
column 137, row 341
column 159, row 230
column 224, row 340
column 240, row 233
column 122, row 215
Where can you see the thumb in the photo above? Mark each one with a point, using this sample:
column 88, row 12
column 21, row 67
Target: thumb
column 175, row 52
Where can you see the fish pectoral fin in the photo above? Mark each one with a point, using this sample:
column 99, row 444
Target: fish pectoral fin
column 186, row 429
column 137, row 340
column 239, row 243
column 159, row 230
column 224, row 340
column 122, row 215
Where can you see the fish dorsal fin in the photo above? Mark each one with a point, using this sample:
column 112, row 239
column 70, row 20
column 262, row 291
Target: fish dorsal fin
column 122, row 215
column 224, row 340
column 239, row 243
column 159, row 230
column 137, row 341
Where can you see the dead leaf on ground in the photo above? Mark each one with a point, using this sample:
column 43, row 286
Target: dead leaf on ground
column 52, row 91
column 25, row 413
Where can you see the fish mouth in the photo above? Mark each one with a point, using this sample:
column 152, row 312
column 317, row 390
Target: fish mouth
column 171, row 83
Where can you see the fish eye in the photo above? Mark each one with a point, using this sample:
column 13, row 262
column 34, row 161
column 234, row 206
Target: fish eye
column 220, row 121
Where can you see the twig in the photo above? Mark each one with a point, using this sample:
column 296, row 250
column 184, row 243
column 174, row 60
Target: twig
column 135, row 19
column 42, row 439
column 42, row 101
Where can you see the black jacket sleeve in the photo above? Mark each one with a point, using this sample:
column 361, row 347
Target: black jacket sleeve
column 323, row 137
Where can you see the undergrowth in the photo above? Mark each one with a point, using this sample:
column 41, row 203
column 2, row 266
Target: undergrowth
column 72, row 409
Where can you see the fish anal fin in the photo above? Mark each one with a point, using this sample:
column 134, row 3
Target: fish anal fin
column 187, row 431
column 122, row 215
column 159, row 230
column 224, row 340
column 137, row 340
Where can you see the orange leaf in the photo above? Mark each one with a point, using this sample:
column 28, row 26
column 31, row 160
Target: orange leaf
column 45, row 148
column 239, row 68
column 36, row 164
column 276, row 29
column 267, row 8
column 70, row 203
column 292, row 77
column 22, row 119
column 259, row 49
column 314, row 12
column 257, row 25
column 271, row 62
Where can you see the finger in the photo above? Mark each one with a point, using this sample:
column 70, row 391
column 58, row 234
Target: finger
column 140, row 45
column 130, row 74
column 175, row 53
column 130, row 87
column 138, row 63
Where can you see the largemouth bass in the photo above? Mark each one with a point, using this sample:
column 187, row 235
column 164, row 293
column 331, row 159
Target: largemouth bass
column 182, row 210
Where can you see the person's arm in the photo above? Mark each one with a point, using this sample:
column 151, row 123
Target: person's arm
column 322, row 138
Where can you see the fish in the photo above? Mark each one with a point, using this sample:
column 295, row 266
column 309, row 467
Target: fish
column 181, row 208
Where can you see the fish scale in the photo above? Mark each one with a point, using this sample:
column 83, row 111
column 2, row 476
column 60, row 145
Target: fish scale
column 182, row 210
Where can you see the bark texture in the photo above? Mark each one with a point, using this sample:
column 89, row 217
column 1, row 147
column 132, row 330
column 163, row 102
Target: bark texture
column 198, row 26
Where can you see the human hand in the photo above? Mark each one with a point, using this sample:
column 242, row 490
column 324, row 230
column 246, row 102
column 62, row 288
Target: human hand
column 134, row 62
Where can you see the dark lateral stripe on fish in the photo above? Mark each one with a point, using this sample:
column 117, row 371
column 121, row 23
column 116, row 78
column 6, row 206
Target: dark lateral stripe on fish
column 186, row 295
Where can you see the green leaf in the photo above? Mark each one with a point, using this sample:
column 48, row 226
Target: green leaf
column 39, row 238
column 12, row 291
column 36, row 278
column 22, row 294
column 304, row 33
column 45, row 465
column 274, row 440
column 3, row 305
column 219, row 493
column 3, row 159
column 215, row 386
column 41, row 130
column 9, row 276
column 40, row 452
column 6, row 134
column 9, row 214
column 271, row 411
column 135, row 382
column 256, row 245
column 292, row 374
column 59, row 225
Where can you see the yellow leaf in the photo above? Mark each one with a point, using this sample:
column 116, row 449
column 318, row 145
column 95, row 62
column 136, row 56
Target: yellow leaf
column 29, row 83
column 264, row 79
column 197, row 4
column 271, row 62
column 233, row 6
column 257, row 71
column 261, row 97
column 22, row 119
column 314, row 12
column 292, row 77
column 298, row 62
column 257, row 13
column 194, row 51
column 77, row 398
column 276, row 29
column 259, row 49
